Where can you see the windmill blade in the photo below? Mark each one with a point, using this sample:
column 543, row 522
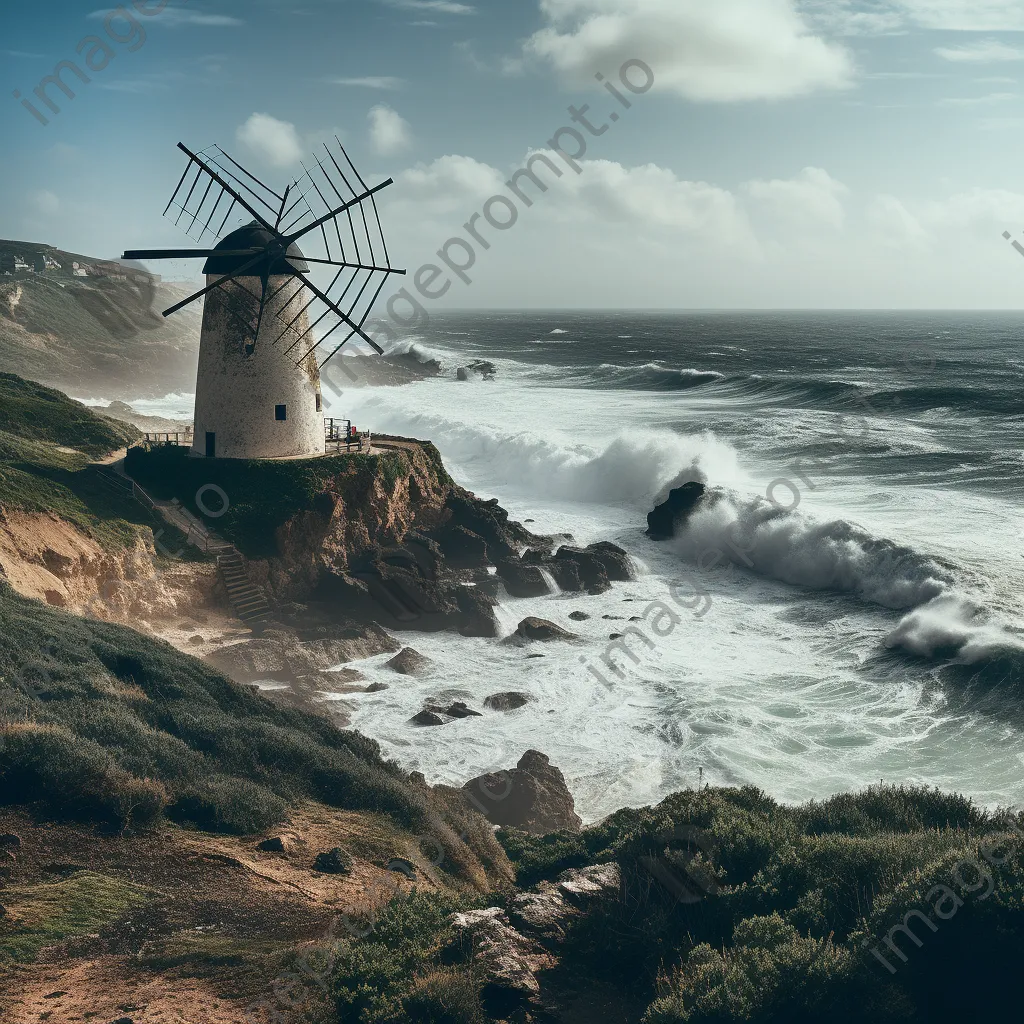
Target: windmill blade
column 209, row 288
column 333, row 215
column 212, row 187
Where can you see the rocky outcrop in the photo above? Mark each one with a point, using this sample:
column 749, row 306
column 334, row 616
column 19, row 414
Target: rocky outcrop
column 505, row 960
column 282, row 656
column 547, row 911
column 663, row 522
column 408, row 662
column 507, row 701
column 522, row 580
column 532, row 796
column 532, row 628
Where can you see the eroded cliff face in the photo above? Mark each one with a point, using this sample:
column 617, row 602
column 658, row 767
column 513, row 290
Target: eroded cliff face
column 46, row 558
column 360, row 514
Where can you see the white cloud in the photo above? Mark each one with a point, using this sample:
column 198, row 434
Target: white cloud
column 978, row 101
column 432, row 6
column 814, row 197
column 988, row 51
column 964, row 15
column 44, row 202
column 178, row 16
column 389, row 132
column 276, row 142
column 369, row 82
column 726, row 50
column 894, row 225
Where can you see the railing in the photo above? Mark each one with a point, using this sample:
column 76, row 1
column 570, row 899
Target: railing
column 179, row 437
column 341, row 432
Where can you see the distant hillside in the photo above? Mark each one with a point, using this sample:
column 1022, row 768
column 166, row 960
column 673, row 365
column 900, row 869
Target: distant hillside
column 93, row 327
column 37, row 413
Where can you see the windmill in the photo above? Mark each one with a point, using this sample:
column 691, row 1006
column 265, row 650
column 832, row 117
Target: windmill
column 268, row 329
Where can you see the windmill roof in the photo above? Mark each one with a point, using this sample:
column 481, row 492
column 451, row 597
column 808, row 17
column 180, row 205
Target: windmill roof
column 253, row 236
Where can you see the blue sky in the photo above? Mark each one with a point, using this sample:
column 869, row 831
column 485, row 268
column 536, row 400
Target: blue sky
column 792, row 153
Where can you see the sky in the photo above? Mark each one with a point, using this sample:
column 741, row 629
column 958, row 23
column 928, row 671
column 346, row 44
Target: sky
column 789, row 154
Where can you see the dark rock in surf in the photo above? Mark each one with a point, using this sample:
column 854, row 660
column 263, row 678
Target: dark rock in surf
column 427, row 719
column 540, row 629
column 579, row 616
column 681, row 502
column 460, row 710
column 408, row 662
column 507, row 701
column 522, row 580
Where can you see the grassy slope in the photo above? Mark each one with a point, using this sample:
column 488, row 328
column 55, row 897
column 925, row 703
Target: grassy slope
column 38, row 475
column 107, row 725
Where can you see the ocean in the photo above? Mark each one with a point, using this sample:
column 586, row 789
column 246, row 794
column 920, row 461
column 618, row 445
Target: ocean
column 864, row 624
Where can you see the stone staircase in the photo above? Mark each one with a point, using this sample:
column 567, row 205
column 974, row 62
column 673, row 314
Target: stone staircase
column 248, row 600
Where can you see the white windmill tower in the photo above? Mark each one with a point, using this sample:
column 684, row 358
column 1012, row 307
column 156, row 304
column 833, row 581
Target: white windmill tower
column 258, row 388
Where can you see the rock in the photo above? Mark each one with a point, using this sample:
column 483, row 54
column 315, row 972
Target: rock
column 522, row 580
column 615, row 636
column 546, row 911
column 10, row 840
column 532, row 796
column 275, row 845
column 507, row 701
column 476, row 613
column 566, row 575
column 590, row 565
column 283, row 657
column 334, row 862
column 462, row 373
column 197, row 640
column 617, row 565
column 582, row 886
column 540, row 629
column 376, row 688
column 680, row 504
column 403, row 867
column 464, row 549
column 427, row 718
column 543, row 913
column 579, row 616
column 408, row 662
column 504, row 959
column 460, row 710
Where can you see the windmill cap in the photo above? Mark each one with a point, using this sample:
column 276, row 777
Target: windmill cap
column 254, row 236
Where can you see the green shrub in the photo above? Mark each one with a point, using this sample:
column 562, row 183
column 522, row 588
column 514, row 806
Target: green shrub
column 395, row 971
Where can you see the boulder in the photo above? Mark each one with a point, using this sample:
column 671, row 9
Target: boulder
column 507, row 701
column 566, row 575
column 333, row 862
column 276, row 844
column 590, row 566
column 617, row 566
column 427, row 718
column 464, row 549
column 540, row 629
column 376, row 688
column 532, row 796
column 546, row 911
column 522, row 580
column 504, row 960
column 460, row 710
column 579, row 616
column 462, row 373
column 680, row 504
column 408, row 662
